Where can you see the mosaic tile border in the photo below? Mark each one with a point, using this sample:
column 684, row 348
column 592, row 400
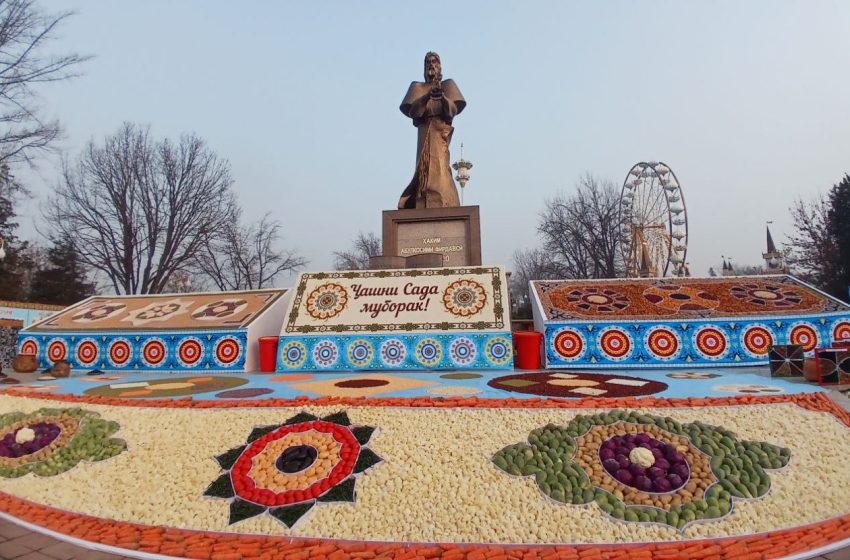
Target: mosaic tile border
column 709, row 342
column 156, row 351
column 395, row 352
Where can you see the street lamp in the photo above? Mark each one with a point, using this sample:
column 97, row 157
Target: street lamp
column 462, row 167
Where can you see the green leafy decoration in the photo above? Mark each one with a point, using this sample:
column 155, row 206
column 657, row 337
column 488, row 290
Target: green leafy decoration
column 340, row 418
column 342, row 492
column 300, row 417
column 363, row 434
column 257, row 433
column 366, row 460
column 289, row 515
column 241, row 510
column 228, row 458
column 221, row 487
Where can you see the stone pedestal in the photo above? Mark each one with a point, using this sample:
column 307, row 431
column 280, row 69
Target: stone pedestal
column 453, row 233
column 424, row 260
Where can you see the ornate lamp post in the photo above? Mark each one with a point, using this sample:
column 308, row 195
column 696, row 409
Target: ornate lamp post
column 462, row 167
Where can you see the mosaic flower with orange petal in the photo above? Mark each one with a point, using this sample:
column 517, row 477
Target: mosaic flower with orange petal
column 287, row 469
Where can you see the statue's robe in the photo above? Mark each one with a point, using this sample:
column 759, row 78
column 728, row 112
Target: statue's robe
column 432, row 185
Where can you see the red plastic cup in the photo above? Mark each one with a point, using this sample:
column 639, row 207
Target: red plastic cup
column 268, row 353
column 527, row 345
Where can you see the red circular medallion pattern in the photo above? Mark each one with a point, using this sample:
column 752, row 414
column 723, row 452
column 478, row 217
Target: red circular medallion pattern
column 757, row 340
column 119, row 352
column 29, row 347
column 57, row 350
column 615, row 344
column 190, row 351
column 711, row 342
column 87, row 352
column 227, row 351
column 805, row 335
column 569, row 344
column 153, row 352
column 662, row 342
column 841, row 331
column 247, row 488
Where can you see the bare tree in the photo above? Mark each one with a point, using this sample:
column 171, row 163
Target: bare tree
column 184, row 282
column 580, row 231
column 365, row 245
column 245, row 257
column 138, row 210
column 24, row 33
column 530, row 264
column 811, row 246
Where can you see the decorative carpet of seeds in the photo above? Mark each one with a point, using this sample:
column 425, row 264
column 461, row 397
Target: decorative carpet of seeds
column 434, row 479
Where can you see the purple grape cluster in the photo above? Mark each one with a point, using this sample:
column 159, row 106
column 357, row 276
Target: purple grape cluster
column 45, row 433
column 669, row 472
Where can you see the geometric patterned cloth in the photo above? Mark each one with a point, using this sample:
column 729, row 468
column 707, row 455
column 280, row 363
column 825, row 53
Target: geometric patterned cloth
column 786, row 360
column 833, row 365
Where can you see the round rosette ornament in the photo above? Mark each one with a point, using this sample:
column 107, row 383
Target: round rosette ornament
column 326, row 301
column 51, row 441
column 642, row 468
column 287, row 469
column 464, row 297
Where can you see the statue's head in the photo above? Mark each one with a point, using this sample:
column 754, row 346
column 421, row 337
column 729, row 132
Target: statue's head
column 433, row 68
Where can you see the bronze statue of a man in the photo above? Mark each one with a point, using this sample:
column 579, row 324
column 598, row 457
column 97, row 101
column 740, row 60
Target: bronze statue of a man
column 432, row 105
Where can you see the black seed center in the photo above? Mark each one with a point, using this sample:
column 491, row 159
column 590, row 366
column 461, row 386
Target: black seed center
column 296, row 458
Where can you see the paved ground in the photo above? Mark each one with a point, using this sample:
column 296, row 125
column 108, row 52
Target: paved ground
column 17, row 543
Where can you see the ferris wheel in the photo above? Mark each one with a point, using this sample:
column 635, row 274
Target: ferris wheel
column 653, row 222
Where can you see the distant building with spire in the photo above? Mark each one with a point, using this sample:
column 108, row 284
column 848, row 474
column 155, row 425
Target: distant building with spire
column 773, row 259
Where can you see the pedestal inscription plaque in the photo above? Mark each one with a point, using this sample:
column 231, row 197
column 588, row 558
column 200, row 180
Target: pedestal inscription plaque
column 454, row 233
column 448, row 238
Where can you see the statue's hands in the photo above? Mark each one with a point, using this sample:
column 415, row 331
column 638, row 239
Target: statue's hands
column 436, row 92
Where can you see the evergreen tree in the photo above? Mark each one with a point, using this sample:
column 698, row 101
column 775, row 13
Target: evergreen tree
column 64, row 280
column 10, row 273
column 838, row 225
column 820, row 244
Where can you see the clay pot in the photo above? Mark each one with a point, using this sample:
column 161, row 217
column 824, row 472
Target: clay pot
column 60, row 368
column 810, row 370
column 25, row 363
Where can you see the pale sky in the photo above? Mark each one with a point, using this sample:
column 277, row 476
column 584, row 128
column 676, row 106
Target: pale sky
column 748, row 102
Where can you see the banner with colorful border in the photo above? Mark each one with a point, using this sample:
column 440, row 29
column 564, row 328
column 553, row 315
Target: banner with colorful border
column 709, row 342
column 409, row 300
column 432, row 318
column 148, row 351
